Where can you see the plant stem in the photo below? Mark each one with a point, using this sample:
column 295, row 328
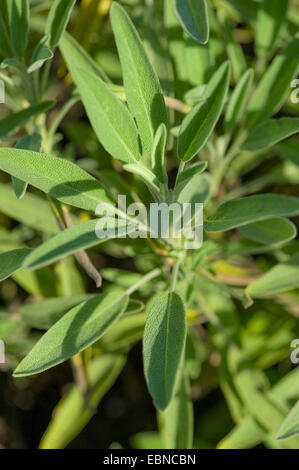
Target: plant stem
column 148, row 277
column 174, row 275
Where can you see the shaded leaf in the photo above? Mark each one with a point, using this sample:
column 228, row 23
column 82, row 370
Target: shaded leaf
column 281, row 278
column 239, row 212
column 275, row 230
column 290, row 426
column 271, row 132
column 193, row 16
column 11, row 261
column 200, row 122
column 75, row 331
column 28, row 142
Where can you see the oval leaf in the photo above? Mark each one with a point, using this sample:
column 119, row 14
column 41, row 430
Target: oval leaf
column 163, row 345
column 57, row 20
column 281, row 278
column 110, row 118
column 201, row 121
column 12, row 261
column 290, row 426
column 193, row 16
column 242, row 211
column 59, row 178
column 270, row 231
column 75, row 331
column 143, row 90
column 271, row 132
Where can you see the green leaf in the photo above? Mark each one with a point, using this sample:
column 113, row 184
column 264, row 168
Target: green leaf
column 59, row 178
column 69, row 241
column 75, row 56
column 110, row 118
column 158, row 154
column 201, row 121
column 28, row 142
column 142, row 87
column 75, row 331
column 196, row 190
column 234, row 49
column 146, row 174
column 177, row 419
column 163, row 345
column 57, row 20
column 185, row 175
column 245, row 435
column 40, row 55
column 274, row 86
column 275, row 230
column 193, row 16
column 290, row 426
column 44, row 314
column 5, row 46
column 271, row 132
column 15, row 120
column 70, row 416
column 289, row 150
column 238, row 101
column 270, row 19
column 11, row 261
column 281, row 278
column 239, row 212
column 31, row 210
column 19, row 24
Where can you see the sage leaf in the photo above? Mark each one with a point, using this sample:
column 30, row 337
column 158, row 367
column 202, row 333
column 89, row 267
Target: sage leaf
column 281, row 278
column 142, row 87
column 19, row 19
column 69, row 241
column 274, row 86
column 76, row 57
column 177, row 419
column 201, row 121
column 271, row 132
column 5, row 46
column 158, row 154
column 110, row 118
column 270, row 18
column 11, row 261
column 239, row 212
column 75, row 331
column 276, row 230
column 238, row 101
column 193, row 16
column 163, row 345
column 57, row 20
column 15, row 120
column 185, row 175
column 290, row 426
column 28, row 142
column 44, row 314
column 147, row 175
column 31, row 210
column 288, row 150
column 57, row 177
column 40, row 55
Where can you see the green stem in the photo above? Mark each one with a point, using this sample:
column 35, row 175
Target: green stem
column 148, row 277
column 174, row 275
